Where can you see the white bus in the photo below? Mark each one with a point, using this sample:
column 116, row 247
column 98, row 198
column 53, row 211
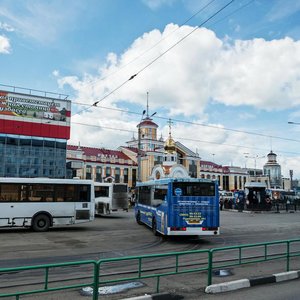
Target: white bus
column 110, row 197
column 41, row 203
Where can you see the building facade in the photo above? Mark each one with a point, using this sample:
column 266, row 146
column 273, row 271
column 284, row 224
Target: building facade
column 273, row 171
column 33, row 134
column 156, row 153
column 230, row 178
column 101, row 165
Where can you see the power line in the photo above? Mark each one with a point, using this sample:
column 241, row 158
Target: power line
column 158, row 57
column 191, row 140
column 153, row 46
column 198, row 124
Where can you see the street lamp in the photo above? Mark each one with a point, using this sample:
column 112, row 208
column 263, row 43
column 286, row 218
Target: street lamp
column 255, row 157
column 213, row 155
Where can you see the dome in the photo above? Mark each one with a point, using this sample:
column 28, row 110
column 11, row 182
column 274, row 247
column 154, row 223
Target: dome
column 170, row 146
column 272, row 157
column 147, row 122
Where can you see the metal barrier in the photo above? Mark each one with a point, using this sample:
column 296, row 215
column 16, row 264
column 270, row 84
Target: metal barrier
column 46, row 282
column 101, row 272
column 266, row 256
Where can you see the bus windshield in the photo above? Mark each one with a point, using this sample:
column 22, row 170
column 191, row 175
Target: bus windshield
column 194, row 189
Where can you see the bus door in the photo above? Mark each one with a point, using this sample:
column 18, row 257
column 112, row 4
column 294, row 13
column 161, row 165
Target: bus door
column 83, row 204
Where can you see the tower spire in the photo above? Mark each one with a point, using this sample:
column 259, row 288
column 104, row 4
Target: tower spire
column 147, row 104
column 170, row 127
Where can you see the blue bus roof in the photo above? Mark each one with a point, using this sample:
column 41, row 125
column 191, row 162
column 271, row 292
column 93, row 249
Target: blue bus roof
column 167, row 180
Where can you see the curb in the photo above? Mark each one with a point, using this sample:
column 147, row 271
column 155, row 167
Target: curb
column 160, row 296
column 244, row 283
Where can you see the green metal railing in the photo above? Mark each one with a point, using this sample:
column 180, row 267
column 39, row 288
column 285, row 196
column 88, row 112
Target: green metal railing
column 244, row 260
column 101, row 272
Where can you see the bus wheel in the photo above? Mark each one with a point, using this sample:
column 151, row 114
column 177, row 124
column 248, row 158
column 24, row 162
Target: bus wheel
column 41, row 223
column 154, row 227
column 138, row 218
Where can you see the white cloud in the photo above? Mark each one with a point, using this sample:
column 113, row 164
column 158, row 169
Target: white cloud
column 257, row 73
column 4, row 45
column 6, row 27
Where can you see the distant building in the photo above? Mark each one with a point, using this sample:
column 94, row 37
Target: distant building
column 34, row 131
column 101, row 165
column 230, row 178
column 273, row 171
column 160, row 158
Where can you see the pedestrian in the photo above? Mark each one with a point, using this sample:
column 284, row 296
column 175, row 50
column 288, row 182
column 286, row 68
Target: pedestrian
column 221, row 203
column 268, row 203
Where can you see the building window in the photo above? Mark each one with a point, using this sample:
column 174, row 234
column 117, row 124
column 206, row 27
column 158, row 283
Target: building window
column 88, row 172
column 117, row 174
column 133, row 177
column 126, row 175
column 98, row 174
column 107, row 172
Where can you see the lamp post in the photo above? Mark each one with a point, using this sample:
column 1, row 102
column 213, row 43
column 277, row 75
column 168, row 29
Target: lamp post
column 255, row 157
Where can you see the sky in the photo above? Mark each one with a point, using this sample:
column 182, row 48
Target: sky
column 227, row 73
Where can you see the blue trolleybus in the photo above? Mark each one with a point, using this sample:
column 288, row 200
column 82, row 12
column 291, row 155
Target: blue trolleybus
column 179, row 206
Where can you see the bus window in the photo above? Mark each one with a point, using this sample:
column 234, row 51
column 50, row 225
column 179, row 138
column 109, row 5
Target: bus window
column 120, row 188
column 10, row 192
column 160, row 193
column 195, row 189
column 84, row 193
column 41, row 192
column 60, row 193
column 70, row 195
column 144, row 196
column 101, row 191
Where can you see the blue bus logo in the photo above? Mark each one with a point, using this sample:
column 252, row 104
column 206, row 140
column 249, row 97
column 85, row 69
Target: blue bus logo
column 178, row 192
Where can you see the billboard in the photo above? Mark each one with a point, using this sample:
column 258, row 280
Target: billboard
column 21, row 105
column 34, row 115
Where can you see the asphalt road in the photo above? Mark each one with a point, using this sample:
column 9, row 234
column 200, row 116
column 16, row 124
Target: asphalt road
column 119, row 235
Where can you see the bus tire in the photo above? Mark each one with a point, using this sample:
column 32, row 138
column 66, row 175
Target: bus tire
column 138, row 218
column 154, row 227
column 40, row 223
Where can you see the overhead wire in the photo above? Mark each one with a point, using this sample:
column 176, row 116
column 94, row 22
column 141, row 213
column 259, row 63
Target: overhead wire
column 189, row 139
column 153, row 46
column 158, row 57
column 199, row 124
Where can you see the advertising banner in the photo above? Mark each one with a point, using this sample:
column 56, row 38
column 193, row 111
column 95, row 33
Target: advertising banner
column 34, row 107
column 29, row 115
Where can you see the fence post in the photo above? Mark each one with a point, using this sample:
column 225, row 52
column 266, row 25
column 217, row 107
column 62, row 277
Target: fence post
column 209, row 271
column 96, row 280
column 288, row 257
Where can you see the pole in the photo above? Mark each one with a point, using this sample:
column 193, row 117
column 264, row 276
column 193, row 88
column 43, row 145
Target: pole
column 139, row 154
